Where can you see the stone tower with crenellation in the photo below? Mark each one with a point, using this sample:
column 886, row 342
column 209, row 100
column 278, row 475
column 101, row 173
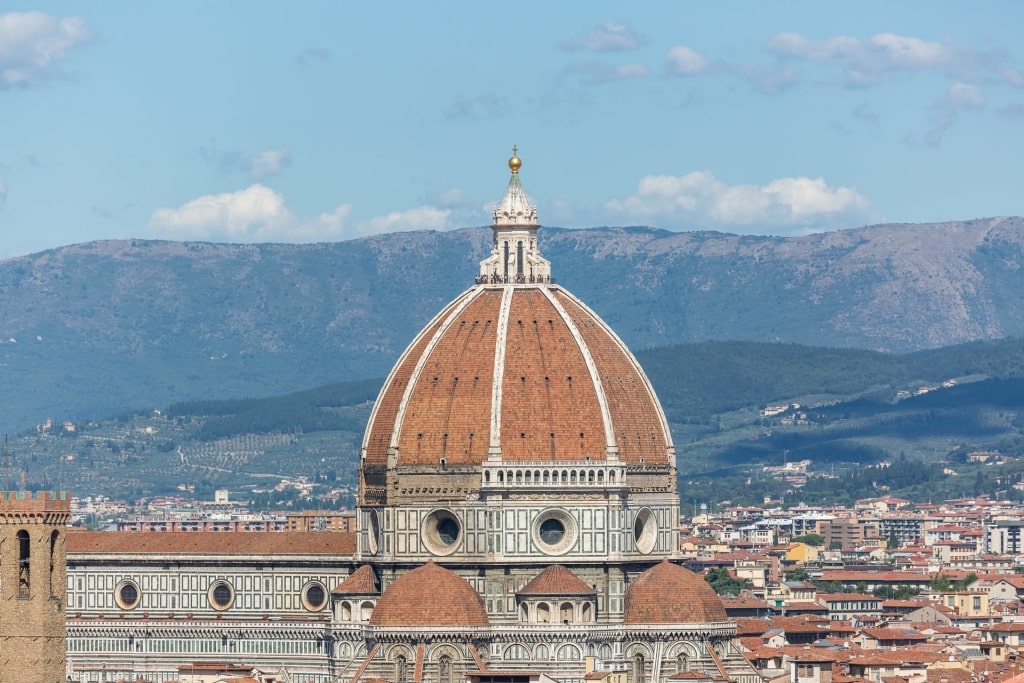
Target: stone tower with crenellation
column 33, row 634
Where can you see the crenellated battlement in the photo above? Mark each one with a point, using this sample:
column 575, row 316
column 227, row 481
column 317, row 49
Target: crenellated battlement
column 34, row 502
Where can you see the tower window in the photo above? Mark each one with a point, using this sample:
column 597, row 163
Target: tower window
column 24, row 564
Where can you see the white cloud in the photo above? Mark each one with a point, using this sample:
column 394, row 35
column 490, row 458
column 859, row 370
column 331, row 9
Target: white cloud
column 960, row 97
column 258, row 166
column 768, row 80
column 318, row 54
column 253, row 214
column 484, row 105
column 271, row 162
column 684, row 61
column 597, row 73
column 32, row 43
column 609, row 37
column 1013, row 76
column 964, row 96
column 700, row 200
column 259, row 214
column 420, row 218
column 864, row 62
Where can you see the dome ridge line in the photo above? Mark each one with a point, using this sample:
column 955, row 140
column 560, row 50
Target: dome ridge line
column 467, row 297
column 501, row 339
column 639, row 369
column 387, row 383
column 611, row 447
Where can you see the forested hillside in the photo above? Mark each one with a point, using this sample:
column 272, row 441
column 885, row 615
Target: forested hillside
column 857, row 411
column 94, row 329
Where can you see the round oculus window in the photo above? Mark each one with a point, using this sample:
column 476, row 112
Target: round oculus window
column 441, row 532
column 314, row 596
column 373, row 532
column 645, row 530
column 127, row 594
column 221, row 595
column 554, row 532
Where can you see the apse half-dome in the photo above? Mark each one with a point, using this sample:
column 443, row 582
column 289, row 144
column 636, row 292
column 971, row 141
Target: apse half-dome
column 430, row 596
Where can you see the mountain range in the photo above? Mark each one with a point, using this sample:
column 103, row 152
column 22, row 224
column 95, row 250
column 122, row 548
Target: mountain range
column 92, row 329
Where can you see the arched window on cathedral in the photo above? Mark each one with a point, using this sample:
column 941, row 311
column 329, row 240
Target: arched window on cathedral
column 54, row 537
column 543, row 613
column 638, row 669
column 365, row 610
column 524, row 612
column 568, row 653
column 588, row 614
column 565, row 614
column 24, row 564
column 401, row 669
column 516, row 652
column 444, row 669
column 346, row 611
column 682, row 663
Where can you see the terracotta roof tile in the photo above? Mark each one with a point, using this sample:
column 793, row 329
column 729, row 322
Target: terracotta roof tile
column 556, row 580
column 360, row 582
column 669, row 594
column 429, row 595
column 212, row 542
column 547, row 389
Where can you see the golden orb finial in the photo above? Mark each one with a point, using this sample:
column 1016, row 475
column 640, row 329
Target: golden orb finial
column 515, row 162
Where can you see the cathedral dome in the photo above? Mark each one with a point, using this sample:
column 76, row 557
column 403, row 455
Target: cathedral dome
column 669, row 594
column 429, row 595
column 516, row 369
column 556, row 580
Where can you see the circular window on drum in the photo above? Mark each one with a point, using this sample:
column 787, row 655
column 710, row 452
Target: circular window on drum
column 645, row 530
column 221, row 595
column 441, row 532
column 554, row 532
column 127, row 594
column 373, row 532
column 314, row 596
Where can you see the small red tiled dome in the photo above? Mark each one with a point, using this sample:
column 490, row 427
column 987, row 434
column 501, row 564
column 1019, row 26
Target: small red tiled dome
column 360, row 582
column 430, row 596
column 556, row 580
column 669, row 594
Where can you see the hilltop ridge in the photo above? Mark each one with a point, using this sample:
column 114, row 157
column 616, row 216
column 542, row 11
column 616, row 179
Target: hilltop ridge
column 92, row 329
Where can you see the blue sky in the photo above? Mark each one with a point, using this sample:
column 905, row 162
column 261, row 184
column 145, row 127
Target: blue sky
column 323, row 121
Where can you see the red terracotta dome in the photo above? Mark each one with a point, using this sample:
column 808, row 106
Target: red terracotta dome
column 669, row 594
column 430, row 595
column 525, row 371
column 514, row 370
column 556, row 580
